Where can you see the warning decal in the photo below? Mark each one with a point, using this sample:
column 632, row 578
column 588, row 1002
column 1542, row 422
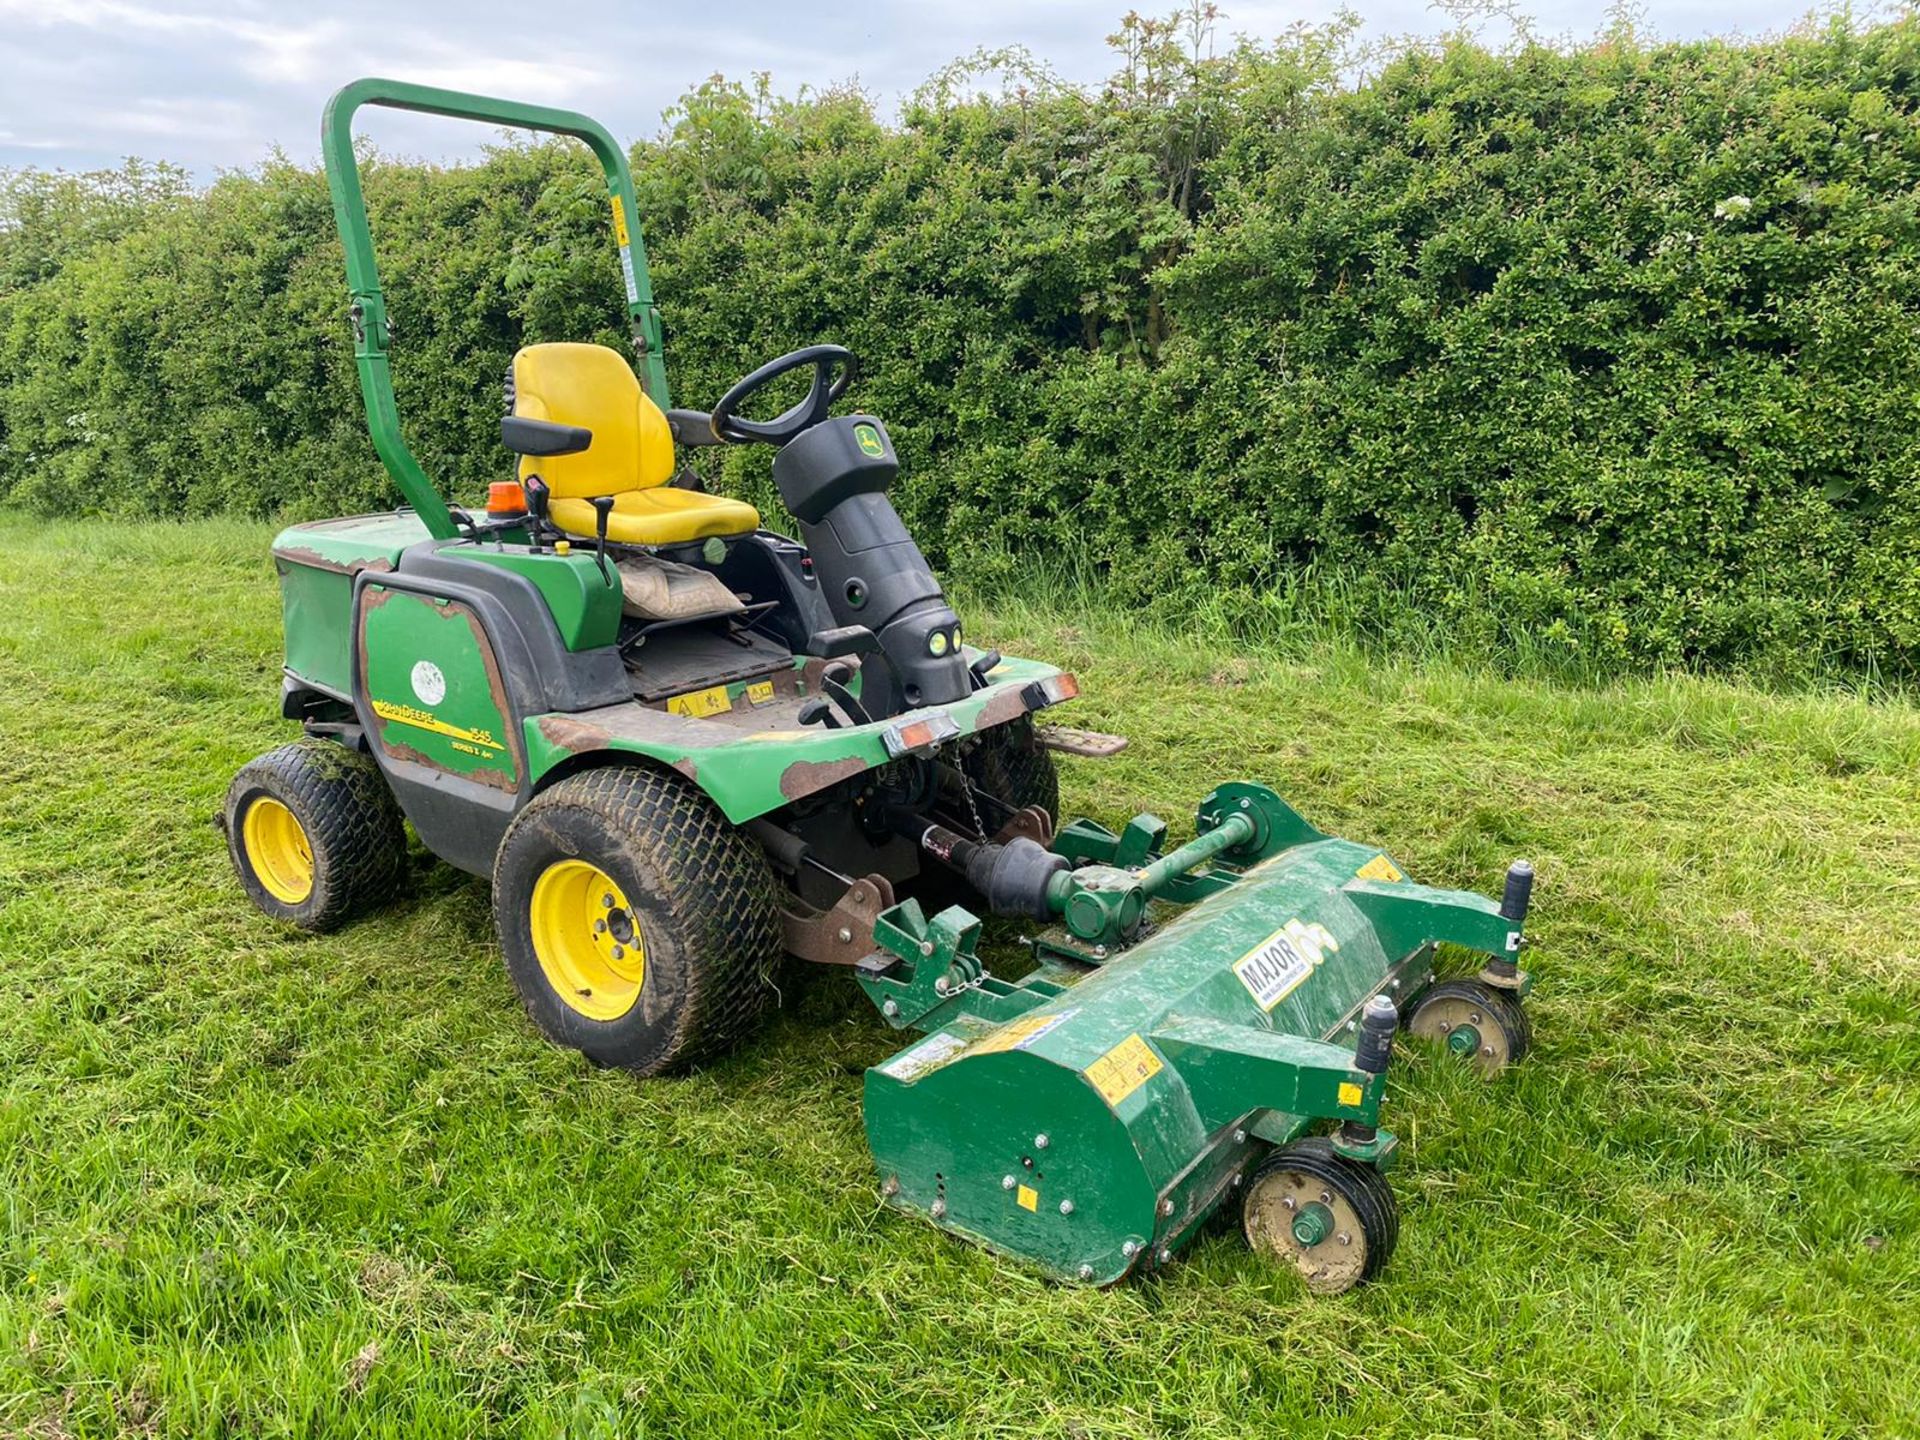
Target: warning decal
column 1123, row 1069
column 1019, row 1034
column 930, row 1054
column 1380, row 868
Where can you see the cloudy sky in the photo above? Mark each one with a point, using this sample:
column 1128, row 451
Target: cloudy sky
column 217, row 83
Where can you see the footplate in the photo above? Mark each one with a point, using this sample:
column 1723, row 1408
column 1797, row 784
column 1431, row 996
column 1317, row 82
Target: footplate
column 1091, row 744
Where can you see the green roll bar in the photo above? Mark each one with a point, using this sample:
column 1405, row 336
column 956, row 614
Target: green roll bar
column 372, row 333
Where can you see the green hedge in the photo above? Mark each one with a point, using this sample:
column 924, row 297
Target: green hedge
column 1616, row 349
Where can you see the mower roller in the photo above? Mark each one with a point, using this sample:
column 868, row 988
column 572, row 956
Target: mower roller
column 686, row 747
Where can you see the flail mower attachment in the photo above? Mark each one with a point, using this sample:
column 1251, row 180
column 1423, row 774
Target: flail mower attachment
column 1091, row 1118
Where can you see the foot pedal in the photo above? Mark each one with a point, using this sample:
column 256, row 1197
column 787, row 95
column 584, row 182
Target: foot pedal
column 1091, row 744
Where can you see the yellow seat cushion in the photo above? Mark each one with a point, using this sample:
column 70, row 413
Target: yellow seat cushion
column 661, row 516
column 631, row 457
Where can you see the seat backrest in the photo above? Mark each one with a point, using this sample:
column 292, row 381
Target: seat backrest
column 593, row 386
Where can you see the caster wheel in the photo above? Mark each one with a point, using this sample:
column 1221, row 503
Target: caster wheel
column 1480, row 1024
column 1333, row 1219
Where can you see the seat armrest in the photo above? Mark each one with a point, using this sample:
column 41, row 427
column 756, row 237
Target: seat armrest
column 526, row 436
column 692, row 427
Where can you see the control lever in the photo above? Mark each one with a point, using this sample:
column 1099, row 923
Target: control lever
column 537, row 497
column 833, row 680
column 602, row 511
column 818, row 712
column 981, row 667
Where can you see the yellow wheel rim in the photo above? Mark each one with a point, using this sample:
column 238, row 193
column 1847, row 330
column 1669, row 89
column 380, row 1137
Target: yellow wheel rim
column 277, row 848
column 587, row 939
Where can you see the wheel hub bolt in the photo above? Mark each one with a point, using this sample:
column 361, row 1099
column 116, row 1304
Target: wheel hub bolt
column 606, row 902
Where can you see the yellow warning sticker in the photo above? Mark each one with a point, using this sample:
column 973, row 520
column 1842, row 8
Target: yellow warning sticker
column 698, row 704
column 1019, row 1034
column 760, row 692
column 1350, row 1093
column 1028, row 1197
column 1380, row 868
column 1123, row 1069
column 619, row 222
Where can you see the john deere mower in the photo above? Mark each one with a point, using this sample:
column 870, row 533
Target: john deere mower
column 685, row 746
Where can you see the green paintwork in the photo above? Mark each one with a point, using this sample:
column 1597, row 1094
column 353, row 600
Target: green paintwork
column 584, row 603
column 451, row 716
column 1225, row 1062
column 316, row 565
column 373, row 335
column 1313, row 1224
column 749, row 772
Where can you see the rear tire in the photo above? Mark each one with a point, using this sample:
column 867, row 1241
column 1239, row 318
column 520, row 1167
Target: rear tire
column 638, row 925
column 1009, row 764
column 314, row 834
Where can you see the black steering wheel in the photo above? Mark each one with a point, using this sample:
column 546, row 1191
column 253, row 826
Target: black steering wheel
column 826, row 388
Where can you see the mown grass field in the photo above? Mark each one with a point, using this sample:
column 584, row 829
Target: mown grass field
column 257, row 1183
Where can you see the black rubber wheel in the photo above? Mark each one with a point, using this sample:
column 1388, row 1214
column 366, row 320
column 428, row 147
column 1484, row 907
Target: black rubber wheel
column 314, row 833
column 1009, row 764
column 1475, row 1021
column 1333, row 1219
column 638, row 925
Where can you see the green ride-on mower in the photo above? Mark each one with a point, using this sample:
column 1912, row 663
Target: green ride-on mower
column 685, row 746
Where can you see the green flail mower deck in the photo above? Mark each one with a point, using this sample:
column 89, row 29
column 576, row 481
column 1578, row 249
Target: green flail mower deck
column 1091, row 1118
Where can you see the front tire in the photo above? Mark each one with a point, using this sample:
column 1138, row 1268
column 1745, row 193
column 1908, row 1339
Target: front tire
column 638, row 925
column 314, row 834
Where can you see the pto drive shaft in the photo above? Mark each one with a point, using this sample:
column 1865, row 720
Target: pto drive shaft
column 1098, row 902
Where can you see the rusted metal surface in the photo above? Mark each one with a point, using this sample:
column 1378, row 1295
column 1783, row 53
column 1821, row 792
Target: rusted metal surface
column 313, row 559
column 1089, row 744
column 1008, row 705
column 804, row 777
column 842, row 935
column 1032, row 823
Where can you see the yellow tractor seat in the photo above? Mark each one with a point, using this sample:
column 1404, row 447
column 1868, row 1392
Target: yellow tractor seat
column 630, row 457
column 660, row 516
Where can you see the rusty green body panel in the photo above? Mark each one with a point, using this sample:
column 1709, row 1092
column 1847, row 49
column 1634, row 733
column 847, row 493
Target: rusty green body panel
column 316, row 564
column 1090, row 1118
column 753, row 760
column 450, row 711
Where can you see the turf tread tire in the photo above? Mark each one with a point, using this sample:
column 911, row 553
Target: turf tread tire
column 1365, row 1188
column 1505, row 1007
column 706, row 902
column 352, row 823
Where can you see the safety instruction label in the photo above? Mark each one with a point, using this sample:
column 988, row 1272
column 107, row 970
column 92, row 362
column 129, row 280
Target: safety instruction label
column 1278, row 965
column 760, row 692
column 1028, row 1197
column 1380, row 868
column 698, row 704
column 1123, row 1069
column 930, row 1054
column 1019, row 1034
column 620, row 235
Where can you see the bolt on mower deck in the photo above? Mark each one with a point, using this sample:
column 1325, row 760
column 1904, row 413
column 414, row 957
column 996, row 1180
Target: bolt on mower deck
column 688, row 747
